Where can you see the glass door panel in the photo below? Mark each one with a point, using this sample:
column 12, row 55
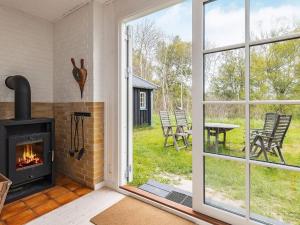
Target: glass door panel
column 275, row 71
column 273, row 18
column 225, row 129
column 276, row 129
column 224, row 76
column 29, row 154
column 225, row 185
column 275, row 195
column 224, row 23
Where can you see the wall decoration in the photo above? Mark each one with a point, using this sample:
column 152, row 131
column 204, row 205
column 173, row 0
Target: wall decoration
column 79, row 74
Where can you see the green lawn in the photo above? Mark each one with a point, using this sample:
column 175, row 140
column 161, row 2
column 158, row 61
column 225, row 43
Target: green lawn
column 274, row 193
column 151, row 159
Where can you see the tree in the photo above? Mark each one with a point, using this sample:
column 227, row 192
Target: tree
column 164, row 61
column 227, row 81
column 275, row 71
column 146, row 37
column 173, row 69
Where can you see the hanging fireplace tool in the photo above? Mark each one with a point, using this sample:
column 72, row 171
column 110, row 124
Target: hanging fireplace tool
column 75, row 150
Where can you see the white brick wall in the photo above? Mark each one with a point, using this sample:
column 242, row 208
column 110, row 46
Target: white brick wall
column 26, row 48
column 73, row 37
column 41, row 51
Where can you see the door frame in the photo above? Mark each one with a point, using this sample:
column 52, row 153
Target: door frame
column 129, row 87
column 123, row 134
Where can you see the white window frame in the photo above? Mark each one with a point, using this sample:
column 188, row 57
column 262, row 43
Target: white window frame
column 198, row 112
column 143, row 100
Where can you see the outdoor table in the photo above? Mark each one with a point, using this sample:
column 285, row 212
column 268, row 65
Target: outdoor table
column 215, row 129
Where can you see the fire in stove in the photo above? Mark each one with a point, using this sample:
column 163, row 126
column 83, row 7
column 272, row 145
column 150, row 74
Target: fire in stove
column 28, row 157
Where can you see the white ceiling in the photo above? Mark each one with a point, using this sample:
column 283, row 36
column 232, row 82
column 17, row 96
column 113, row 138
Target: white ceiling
column 51, row 10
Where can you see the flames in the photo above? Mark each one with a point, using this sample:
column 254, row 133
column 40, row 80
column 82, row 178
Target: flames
column 28, row 158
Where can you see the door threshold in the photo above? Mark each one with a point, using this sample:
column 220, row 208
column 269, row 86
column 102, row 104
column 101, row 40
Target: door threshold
column 172, row 205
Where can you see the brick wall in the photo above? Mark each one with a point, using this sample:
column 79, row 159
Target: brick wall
column 89, row 170
column 38, row 110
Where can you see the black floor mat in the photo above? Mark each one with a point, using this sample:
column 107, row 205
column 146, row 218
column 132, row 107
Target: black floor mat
column 188, row 201
column 168, row 192
column 180, row 198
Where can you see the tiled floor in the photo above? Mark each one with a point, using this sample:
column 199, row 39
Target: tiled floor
column 29, row 208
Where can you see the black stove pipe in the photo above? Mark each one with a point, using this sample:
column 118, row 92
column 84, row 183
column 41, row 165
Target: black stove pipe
column 22, row 96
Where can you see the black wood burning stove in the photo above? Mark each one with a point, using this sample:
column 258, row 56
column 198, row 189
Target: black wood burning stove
column 26, row 148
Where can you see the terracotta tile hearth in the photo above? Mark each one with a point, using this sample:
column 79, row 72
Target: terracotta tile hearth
column 31, row 207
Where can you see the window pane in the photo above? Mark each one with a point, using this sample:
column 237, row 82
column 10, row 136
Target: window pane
column 272, row 135
column 224, row 77
column 224, row 23
column 275, row 71
column 225, row 185
column 225, row 129
column 269, row 18
column 143, row 101
column 275, row 195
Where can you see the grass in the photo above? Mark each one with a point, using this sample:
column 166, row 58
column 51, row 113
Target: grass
column 151, row 159
column 274, row 193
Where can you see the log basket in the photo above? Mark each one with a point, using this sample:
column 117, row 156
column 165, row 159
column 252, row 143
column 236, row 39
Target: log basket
column 4, row 187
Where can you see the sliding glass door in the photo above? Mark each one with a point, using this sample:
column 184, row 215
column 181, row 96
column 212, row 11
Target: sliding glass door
column 246, row 110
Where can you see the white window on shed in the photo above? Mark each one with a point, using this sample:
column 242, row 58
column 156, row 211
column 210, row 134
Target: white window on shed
column 143, row 101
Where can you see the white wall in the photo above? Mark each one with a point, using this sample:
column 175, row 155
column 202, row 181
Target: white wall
column 98, row 37
column 73, row 37
column 79, row 35
column 26, row 48
column 110, row 71
column 41, row 51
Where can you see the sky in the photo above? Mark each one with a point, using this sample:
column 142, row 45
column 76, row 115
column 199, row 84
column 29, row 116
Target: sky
column 225, row 25
column 223, row 19
column 175, row 20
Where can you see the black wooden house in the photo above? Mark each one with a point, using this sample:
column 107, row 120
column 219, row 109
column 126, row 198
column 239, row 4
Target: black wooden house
column 142, row 101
